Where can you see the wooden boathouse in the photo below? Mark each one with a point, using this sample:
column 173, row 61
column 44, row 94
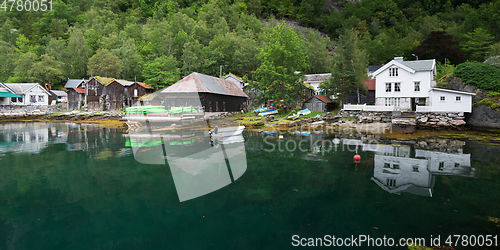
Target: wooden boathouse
column 212, row 94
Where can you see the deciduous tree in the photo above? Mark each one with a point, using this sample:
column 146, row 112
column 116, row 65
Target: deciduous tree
column 282, row 56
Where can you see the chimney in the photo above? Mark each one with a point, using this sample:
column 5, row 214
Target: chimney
column 398, row 59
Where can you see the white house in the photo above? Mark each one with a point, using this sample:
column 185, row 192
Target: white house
column 30, row 94
column 315, row 80
column 409, row 86
column 6, row 94
column 236, row 80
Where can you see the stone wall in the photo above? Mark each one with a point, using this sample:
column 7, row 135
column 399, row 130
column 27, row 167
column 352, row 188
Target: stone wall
column 434, row 120
column 427, row 119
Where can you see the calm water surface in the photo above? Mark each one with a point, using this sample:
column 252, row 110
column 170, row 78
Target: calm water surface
column 72, row 186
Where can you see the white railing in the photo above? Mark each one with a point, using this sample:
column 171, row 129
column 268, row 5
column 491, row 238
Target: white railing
column 424, row 109
column 365, row 107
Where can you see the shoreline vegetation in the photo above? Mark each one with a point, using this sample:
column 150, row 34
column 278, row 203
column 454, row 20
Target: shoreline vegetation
column 314, row 122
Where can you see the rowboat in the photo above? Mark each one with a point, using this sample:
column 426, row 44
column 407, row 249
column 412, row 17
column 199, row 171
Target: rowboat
column 268, row 112
column 304, row 112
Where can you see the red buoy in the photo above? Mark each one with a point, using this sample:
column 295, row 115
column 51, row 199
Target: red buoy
column 357, row 158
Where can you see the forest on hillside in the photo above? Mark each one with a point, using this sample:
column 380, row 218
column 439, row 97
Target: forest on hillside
column 158, row 41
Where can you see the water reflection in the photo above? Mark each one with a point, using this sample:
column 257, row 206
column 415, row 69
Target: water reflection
column 401, row 168
column 34, row 137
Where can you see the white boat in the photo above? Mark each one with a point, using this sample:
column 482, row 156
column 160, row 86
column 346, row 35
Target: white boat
column 268, row 112
column 304, row 112
column 225, row 133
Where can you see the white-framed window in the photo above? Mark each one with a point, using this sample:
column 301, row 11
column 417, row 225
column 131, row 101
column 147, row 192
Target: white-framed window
column 395, row 166
column 441, row 166
column 33, row 98
column 387, row 165
column 20, row 99
column 397, row 87
column 40, row 98
column 417, row 86
column 387, row 101
column 415, row 169
column 388, row 87
column 393, row 72
column 135, row 92
column 458, row 98
column 397, row 101
column 13, row 99
column 442, row 98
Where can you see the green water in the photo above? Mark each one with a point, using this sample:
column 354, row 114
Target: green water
column 69, row 186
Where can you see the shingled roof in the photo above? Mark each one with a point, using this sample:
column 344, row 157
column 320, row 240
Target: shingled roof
column 200, row 83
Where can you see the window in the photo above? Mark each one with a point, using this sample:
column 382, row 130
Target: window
column 40, row 98
column 387, row 165
column 388, row 87
column 417, row 86
column 33, row 98
column 20, row 99
column 458, row 98
column 443, row 98
column 457, row 165
column 397, row 87
column 135, row 92
column 395, row 166
column 397, row 101
column 391, row 182
column 13, row 99
column 415, row 169
column 441, row 166
column 387, row 101
column 393, row 72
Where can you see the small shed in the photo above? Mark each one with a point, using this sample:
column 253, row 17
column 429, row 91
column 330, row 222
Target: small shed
column 76, row 96
column 318, row 103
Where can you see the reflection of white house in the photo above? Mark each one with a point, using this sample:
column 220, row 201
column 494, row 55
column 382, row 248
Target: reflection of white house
column 410, row 86
column 400, row 174
column 395, row 172
column 31, row 94
column 20, row 137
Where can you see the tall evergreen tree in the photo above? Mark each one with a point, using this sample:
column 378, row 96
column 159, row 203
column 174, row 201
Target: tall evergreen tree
column 349, row 68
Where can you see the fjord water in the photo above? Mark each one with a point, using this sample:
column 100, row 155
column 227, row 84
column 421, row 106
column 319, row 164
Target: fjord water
column 74, row 186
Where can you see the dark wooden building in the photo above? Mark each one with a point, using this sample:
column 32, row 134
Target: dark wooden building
column 76, row 96
column 213, row 94
column 121, row 93
column 367, row 97
column 93, row 93
column 318, row 103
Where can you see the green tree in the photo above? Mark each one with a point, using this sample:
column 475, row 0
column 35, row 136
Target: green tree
column 282, row 56
column 8, row 57
column 349, row 68
column 23, row 66
column 131, row 60
column 193, row 57
column 104, row 63
column 477, row 44
column 47, row 70
column 316, row 48
column 162, row 72
column 78, row 54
